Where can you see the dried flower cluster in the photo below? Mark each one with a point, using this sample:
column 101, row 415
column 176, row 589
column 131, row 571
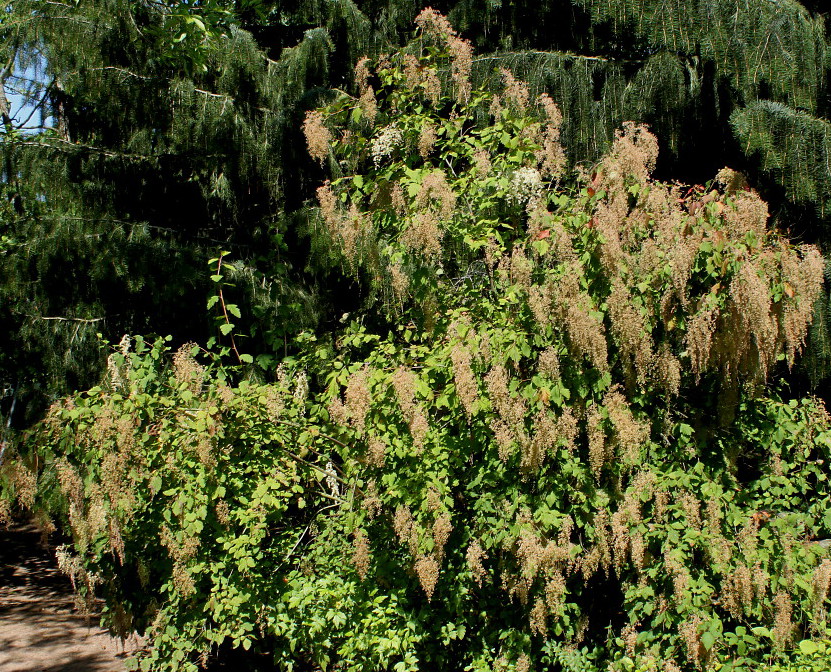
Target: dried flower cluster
column 436, row 26
column 318, row 137
column 187, row 370
column 404, row 382
column 358, row 398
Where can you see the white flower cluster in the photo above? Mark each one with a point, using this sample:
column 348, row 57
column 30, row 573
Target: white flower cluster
column 526, row 186
column 386, row 142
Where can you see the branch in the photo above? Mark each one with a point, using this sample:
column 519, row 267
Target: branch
column 22, row 125
column 122, row 71
column 562, row 54
column 328, row 474
column 80, row 320
column 325, row 436
column 53, row 143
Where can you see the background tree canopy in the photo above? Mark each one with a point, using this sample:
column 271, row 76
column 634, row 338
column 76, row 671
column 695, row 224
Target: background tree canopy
column 175, row 132
column 478, row 385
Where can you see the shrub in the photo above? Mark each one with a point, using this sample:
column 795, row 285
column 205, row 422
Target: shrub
column 546, row 440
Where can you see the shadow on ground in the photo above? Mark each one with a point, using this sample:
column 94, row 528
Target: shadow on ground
column 40, row 627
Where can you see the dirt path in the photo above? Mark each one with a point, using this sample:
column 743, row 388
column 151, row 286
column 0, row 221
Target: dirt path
column 40, row 629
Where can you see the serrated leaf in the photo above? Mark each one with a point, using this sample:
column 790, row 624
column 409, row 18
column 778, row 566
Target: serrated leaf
column 226, row 328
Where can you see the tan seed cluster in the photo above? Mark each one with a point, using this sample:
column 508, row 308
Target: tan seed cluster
column 338, row 412
column 405, row 528
column 361, row 554
column 186, row 370
column 482, row 163
column 358, row 398
column 504, row 439
column 783, row 624
column 551, row 156
column 436, row 26
column 516, row 91
column 538, row 618
column 362, row 73
column 426, row 140
column 368, row 105
column 223, row 513
column 24, row 483
column 467, row 387
column 689, row 631
column 348, row 229
column 548, row 364
column 427, row 570
column 597, row 440
column 820, row 583
column 442, row 527
column 366, row 101
column 575, row 309
column 630, row 331
column 423, row 234
column 511, row 409
column 738, row 591
column 435, row 191
column 5, row 513
column 404, row 383
column 699, row 339
column 372, row 502
column 748, row 214
column 521, row 268
column 318, row 137
column 539, row 301
column 692, row 509
column 630, row 434
column 803, row 278
column 475, row 557
column 399, row 281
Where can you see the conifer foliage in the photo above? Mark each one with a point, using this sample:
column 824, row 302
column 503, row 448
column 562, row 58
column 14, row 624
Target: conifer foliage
column 175, row 133
column 546, row 440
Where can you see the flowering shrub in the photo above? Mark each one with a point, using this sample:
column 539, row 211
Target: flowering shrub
column 546, row 443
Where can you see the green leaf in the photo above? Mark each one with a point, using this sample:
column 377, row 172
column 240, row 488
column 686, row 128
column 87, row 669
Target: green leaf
column 233, row 309
column 226, row 328
column 808, row 647
column 708, row 639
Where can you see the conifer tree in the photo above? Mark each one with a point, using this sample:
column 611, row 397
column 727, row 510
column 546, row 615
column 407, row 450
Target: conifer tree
column 176, row 130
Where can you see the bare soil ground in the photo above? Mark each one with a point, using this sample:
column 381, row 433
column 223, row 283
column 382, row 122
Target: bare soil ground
column 40, row 628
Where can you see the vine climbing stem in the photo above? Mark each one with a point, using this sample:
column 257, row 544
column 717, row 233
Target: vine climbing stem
column 225, row 309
